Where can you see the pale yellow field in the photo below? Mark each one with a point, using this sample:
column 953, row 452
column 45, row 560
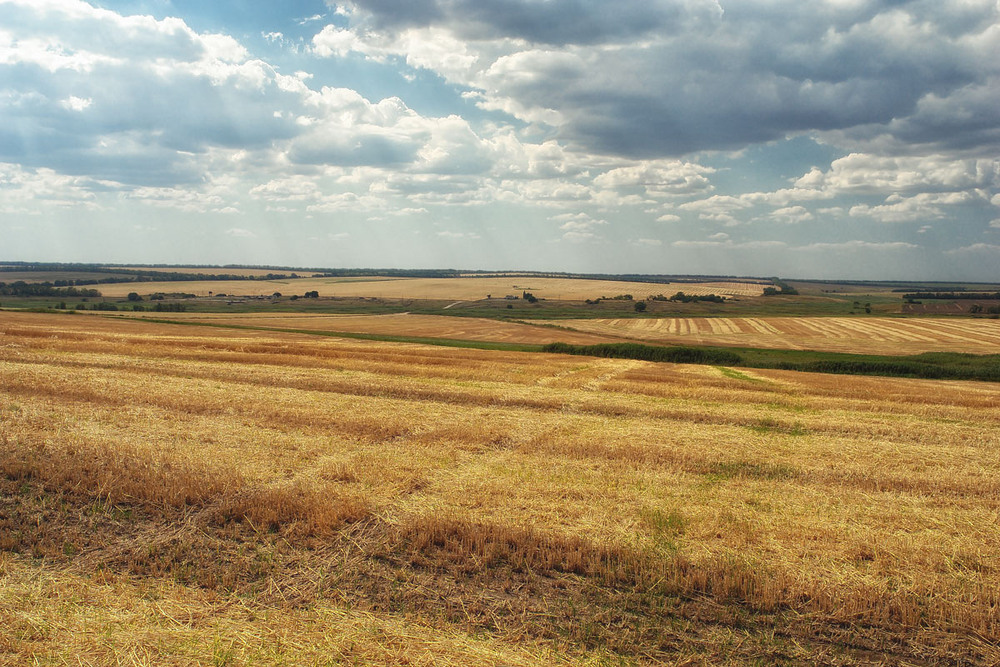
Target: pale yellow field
column 470, row 289
column 231, row 271
column 864, row 335
column 182, row 495
column 401, row 324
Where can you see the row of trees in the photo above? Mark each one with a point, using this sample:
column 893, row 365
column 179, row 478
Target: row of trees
column 21, row 288
column 159, row 307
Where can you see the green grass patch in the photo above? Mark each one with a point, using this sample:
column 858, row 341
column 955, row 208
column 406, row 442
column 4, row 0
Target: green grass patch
column 772, row 426
column 725, row 470
column 670, row 523
column 734, row 374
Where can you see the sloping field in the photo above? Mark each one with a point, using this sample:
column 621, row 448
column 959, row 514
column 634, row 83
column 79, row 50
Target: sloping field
column 863, row 335
column 437, row 288
column 401, row 324
column 180, row 495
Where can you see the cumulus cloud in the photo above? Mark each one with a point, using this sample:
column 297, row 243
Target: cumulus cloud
column 866, row 173
column 854, row 246
column 976, row 249
column 607, row 75
column 792, row 215
column 33, row 191
column 659, row 178
column 578, row 223
column 163, row 107
column 595, row 120
column 458, row 235
column 920, row 207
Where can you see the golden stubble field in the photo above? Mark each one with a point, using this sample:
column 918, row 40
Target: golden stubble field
column 466, row 288
column 859, row 335
column 396, row 324
column 174, row 495
column 867, row 335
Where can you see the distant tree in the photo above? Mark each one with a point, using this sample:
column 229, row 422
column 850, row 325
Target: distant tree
column 134, row 296
column 170, row 308
column 640, row 306
column 312, row 295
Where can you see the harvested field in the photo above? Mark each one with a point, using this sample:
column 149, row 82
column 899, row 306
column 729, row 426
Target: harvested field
column 437, row 288
column 211, row 271
column 184, row 495
column 402, row 324
column 863, row 335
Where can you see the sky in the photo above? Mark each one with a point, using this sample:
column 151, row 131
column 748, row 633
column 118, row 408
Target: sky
column 829, row 139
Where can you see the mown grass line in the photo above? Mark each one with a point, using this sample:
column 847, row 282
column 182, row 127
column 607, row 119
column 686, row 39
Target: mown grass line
column 928, row 365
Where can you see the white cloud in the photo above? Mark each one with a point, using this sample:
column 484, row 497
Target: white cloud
column 858, row 246
column 608, row 75
column 865, row 173
column 976, row 249
column 458, row 235
column 791, row 215
column 659, row 178
column 74, row 103
column 578, row 222
column 34, row 191
column 924, row 206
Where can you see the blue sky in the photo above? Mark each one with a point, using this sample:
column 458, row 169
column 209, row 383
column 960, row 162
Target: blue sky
column 829, row 139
